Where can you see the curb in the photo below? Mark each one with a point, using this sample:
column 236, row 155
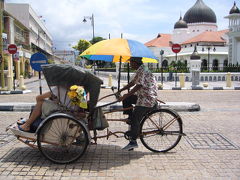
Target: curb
column 15, row 92
column 217, row 88
column 201, row 88
column 177, row 106
column 11, row 92
column 197, row 88
column 6, row 108
column 176, row 88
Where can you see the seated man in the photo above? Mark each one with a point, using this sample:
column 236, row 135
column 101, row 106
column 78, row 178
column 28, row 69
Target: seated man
column 143, row 93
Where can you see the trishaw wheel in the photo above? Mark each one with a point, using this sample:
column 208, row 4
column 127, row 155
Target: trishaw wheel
column 62, row 139
column 161, row 130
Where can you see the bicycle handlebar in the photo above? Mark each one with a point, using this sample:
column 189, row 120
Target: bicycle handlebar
column 107, row 104
column 117, row 95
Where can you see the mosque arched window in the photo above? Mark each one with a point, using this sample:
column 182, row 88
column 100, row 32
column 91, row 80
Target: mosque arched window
column 215, row 65
column 165, row 63
column 204, row 65
column 225, row 63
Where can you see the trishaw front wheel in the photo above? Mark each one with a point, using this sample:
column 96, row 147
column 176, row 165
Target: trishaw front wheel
column 161, row 130
column 62, row 139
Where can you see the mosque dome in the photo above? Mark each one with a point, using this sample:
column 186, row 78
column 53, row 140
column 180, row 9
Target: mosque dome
column 199, row 13
column 180, row 24
column 234, row 9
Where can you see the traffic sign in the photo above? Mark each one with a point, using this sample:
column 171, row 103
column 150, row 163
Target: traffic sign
column 12, row 48
column 16, row 56
column 176, row 48
column 37, row 60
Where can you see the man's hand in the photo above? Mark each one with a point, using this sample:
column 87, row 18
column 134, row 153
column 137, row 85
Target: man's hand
column 118, row 94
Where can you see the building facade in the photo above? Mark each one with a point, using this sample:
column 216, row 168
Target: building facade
column 234, row 35
column 65, row 56
column 39, row 38
column 198, row 28
column 22, row 27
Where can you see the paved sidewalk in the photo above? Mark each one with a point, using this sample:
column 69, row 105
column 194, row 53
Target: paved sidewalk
column 211, row 149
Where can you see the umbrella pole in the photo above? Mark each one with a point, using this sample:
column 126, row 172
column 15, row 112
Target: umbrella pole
column 119, row 73
column 128, row 74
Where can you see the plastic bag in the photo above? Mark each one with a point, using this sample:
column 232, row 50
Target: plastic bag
column 99, row 120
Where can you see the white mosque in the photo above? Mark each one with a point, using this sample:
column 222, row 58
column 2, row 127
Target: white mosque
column 198, row 27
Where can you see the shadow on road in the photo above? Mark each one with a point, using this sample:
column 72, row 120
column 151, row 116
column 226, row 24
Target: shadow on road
column 96, row 158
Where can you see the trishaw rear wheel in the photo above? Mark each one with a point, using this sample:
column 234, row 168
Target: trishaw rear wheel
column 62, row 139
column 161, row 130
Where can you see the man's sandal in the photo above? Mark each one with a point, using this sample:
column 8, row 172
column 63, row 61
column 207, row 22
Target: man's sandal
column 21, row 129
column 21, row 121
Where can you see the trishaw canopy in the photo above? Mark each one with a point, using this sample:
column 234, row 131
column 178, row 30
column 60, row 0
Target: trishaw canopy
column 65, row 75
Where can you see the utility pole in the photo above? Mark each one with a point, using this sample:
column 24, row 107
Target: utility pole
column 1, row 44
column 161, row 53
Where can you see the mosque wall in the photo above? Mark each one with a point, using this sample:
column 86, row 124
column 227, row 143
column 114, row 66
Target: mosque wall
column 238, row 52
column 180, row 35
column 195, row 29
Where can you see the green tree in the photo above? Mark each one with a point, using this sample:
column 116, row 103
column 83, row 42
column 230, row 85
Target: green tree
column 93, row 41
column 82, row 45
column 96, row 39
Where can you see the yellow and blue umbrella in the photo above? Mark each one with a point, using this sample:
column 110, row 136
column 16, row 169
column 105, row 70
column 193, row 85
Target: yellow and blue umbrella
column 118, row 50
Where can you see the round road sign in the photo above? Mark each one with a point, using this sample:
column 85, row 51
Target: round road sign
column 12, row 48
column 176, row 48
column 37, row 60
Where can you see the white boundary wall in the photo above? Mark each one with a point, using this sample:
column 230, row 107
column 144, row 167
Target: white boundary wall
column 235, row 76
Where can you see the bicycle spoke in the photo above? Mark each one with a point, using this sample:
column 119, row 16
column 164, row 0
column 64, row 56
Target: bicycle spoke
column 65, row 144
column 161, row 131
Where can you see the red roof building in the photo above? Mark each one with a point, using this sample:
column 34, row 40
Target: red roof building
column 197, row 28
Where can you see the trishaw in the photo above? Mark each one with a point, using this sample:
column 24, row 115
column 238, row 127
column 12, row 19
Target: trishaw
column 63, row 137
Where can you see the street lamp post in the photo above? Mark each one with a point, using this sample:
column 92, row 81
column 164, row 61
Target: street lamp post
column 208, row 48
column 161, row 53
column 208, row 62
column 92, row 22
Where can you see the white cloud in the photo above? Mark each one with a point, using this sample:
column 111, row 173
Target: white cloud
column 136, row 19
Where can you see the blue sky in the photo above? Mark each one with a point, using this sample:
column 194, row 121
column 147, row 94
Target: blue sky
column 140, row 20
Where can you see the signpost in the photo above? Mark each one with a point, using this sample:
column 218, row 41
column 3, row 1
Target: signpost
column 12, row 49
column 176, row 48
column 36, row 61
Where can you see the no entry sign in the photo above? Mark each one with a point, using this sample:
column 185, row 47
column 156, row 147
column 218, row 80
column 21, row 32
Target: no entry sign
column 176, row 48
column 12, row 48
